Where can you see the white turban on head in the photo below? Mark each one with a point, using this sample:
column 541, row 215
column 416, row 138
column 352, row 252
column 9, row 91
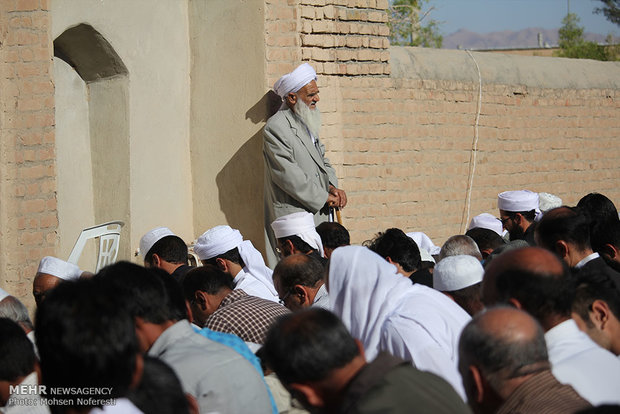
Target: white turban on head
column 424, row 242
column 521, row 200
column 487, row 221
column 299, row 224
column 548, row 201
column 457, row 272
column 59, row 268
column 149, row 239
column 221, row 239
column 294, row 81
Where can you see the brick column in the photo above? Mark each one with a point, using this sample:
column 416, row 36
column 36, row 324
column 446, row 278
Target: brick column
column 28, row 215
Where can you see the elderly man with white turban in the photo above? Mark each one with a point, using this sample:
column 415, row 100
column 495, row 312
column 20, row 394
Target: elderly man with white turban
column 224, row 247
column 298, row 177
column 387, row 313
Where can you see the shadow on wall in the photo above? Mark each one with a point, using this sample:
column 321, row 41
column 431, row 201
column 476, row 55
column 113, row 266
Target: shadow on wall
column 264, row 108
column 240, row 186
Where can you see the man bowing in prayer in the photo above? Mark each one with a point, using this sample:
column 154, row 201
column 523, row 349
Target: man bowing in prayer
column 298, row 177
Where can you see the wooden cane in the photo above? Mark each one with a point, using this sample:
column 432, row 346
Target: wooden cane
column 338, row 216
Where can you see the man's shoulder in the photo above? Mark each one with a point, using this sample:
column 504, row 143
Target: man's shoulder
column 281, row 119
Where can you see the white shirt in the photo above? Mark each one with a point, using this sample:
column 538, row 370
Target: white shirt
column 576, row 360
column 586, row 259
column 253, row 286
column 321, row 299
column 386, row 312
column 17, row 402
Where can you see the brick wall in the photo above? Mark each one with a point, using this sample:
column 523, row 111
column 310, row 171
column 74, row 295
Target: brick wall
column 401, row 138
column 28, row 218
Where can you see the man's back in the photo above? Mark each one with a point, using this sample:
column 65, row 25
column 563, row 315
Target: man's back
column 246, row 316
column 390, row 385
column 576, row 360
column 220, row 379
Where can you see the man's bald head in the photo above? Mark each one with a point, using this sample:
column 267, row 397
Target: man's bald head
column 295, row 276
column 531, row 278
column 503, row 344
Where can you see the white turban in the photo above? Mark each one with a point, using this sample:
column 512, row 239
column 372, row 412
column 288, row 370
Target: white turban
column 513, row 201
column 424, row 242
column 149, row 239
column 299, row 224
column 59, row 268
column 457, row 272
column 548, row 201
column 294, row 81
column 3, row 294
column 487, row 221
column 221, row 239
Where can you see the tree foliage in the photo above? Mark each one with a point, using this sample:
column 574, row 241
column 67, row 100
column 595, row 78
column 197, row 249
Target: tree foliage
column 573, row 45
column 407, row 28
column 611, row 10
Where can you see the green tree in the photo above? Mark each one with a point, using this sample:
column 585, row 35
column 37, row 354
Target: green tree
column 573, row 45
column 407, row 28
column 611, row 10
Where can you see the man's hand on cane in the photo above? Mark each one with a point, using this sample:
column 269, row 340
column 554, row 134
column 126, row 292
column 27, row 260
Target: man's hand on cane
column 336, row 197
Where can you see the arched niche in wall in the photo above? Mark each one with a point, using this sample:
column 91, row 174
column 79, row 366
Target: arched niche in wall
column 92, row 136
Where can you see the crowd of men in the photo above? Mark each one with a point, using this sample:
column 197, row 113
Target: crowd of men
column 521, row 314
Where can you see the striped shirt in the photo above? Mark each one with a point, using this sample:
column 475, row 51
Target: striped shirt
column 543, row 394
column 248, row 317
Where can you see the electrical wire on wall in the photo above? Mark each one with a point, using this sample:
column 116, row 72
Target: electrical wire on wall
column 474, row 152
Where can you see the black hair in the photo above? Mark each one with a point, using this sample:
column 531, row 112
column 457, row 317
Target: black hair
column 593, row 285
column 529, row 215
column 540, row 294
column 159, row 391
column 485, row 238
column 85, row 339
column 298, row 243
column 564, row 223
column 232, row 255
column 141, row 290
column 399, row 247
column 333, row 234
column 171, row 248
column 494, row 354
column 17, row 356
column 208, row 279
column 299, row 269
column 598, row 207
column 308, row 345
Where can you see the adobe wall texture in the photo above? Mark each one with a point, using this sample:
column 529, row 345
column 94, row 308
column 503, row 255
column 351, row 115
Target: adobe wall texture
column 28, row 217
column 401, row 138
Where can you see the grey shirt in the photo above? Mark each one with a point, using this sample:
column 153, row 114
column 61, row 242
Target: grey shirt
column 220, row 379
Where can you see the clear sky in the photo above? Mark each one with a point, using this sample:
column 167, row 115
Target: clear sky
column 484, row 16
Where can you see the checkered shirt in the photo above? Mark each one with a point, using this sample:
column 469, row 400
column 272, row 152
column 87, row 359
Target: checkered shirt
column 248, row 317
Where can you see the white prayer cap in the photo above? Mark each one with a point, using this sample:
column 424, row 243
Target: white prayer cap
column 299, row 224
column 216, row 241
column 521, row 200
column 149, row 239
column 3, row 294
column 457, row 272
column 548, row 201
column 294, row 81
column 424, row 242
column 486, row 221
column 59, row 268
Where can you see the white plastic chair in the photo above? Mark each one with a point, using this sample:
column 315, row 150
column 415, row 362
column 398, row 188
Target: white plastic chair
column 109, row 235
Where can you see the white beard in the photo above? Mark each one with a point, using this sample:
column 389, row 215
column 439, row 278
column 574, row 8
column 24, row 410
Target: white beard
column 310, row 117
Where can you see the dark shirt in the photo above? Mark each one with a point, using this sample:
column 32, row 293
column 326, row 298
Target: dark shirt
column 543, row 394
column 389, row 385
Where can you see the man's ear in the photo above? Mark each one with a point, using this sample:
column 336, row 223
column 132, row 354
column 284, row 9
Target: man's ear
column 515, row 302
column 289, row 248
column 610, row 251
column 599, row 315
column 478, row 383
column 221, row 264
column 389, row 260
column 201, row 299
column 300, row 292
column 291, row 98
column 312, row 396
column 561, row 248
column 156, row 260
